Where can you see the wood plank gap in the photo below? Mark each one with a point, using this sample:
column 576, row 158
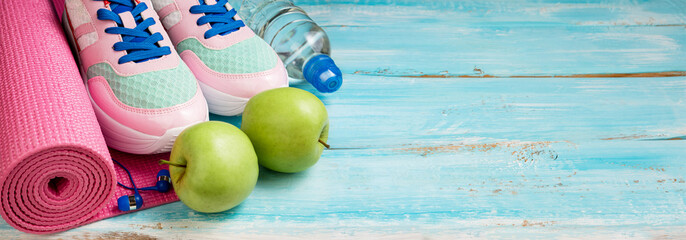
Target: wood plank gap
column 588, row 75
column 667, row 139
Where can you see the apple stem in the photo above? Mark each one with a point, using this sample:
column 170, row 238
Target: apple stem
column 324, row 143
column 162, row 161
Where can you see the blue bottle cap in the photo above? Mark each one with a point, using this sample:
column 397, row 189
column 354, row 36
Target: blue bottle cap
column 323, row 74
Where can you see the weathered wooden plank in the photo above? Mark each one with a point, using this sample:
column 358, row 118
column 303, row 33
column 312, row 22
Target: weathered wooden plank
column 504, row 38
column 379, row 112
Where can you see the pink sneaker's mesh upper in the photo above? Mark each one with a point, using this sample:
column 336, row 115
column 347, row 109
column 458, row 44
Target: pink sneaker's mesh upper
column 150, row 90
column 55, row 169
column 252, row 55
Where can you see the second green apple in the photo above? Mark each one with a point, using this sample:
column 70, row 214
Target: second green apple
column 288, row 127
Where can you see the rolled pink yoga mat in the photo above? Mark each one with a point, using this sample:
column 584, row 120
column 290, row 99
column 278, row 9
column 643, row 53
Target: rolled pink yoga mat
column 56, row 172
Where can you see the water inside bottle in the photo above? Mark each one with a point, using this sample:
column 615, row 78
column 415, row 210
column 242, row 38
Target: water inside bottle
column 288, row 29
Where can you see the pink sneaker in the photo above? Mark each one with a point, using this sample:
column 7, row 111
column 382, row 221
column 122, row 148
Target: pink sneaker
column 231, row 63
column 142, row 93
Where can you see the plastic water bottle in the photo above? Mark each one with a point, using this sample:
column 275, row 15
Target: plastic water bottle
column 301, row 44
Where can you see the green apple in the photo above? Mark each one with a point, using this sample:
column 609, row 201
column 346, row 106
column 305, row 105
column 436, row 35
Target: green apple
column 288, row 128
column 213, row 166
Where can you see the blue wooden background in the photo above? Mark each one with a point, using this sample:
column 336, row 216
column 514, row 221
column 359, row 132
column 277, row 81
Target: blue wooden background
column 476, row 119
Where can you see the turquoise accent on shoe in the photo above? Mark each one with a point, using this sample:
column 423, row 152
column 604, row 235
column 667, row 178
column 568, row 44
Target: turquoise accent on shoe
column 151, row 90
column 249, row 56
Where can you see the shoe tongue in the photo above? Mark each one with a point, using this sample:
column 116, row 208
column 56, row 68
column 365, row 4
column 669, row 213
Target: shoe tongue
column 127, row 19
column 119, row 9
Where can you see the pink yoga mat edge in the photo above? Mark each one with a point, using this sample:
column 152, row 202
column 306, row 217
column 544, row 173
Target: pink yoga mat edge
column 56, row 171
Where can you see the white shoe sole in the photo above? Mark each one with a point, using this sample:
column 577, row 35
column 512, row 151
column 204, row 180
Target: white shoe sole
column 128, row 140
column 221, row 103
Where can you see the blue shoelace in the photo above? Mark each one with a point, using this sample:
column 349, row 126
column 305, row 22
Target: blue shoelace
column 138, row 43
column 220, row 19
